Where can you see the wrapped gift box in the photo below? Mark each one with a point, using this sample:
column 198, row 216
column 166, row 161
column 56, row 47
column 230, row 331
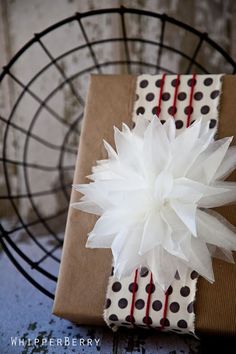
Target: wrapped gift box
column 84, row 272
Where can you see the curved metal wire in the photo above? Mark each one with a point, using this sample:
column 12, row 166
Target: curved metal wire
column 35, row 270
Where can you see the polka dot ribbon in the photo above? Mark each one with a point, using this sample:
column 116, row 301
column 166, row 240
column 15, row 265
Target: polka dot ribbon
column 137, row 300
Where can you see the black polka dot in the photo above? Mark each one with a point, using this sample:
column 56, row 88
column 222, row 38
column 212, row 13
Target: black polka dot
column 130, row 319
column 215, row 94
column 194, row 274
column 113, row 317
column 143, row 83
column 179, row 124
column 156, row 110
column 150, row 97
column 140, row 110
column 192, row 122
column 136, row 97
column 165, row 96
column 116, row 286
column 165, row 322
column 108, row 303
column 192, row 82
column 212, row 123
column 190, row 307
column 144, row 272
column 152, row 288
column 185, row 291
column 133, row 125
column 112, row 271
column 182, row 324
column 188, row 110
column 170, row 290
column 172, row 110
column 133, row 286
column 177, row 277
column 182, row 96
column 208, row 81
column 158, row 83
column 162, row 121
column 122, row 303
column 175, row 82
column 198, row 95
column 139, row 304
column 174, row 307
column 147, row 320
column 205, row 109
column 156, row 305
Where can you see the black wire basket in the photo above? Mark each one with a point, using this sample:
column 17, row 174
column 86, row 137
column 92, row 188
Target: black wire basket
column 33, row 239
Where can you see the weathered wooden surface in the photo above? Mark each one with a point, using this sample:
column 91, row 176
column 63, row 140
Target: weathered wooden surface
column 26, row 314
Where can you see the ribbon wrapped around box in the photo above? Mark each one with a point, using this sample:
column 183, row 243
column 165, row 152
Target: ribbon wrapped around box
column 87, row 293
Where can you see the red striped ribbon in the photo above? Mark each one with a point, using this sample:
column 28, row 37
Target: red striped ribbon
column 160, row 95
column 148, row 301
column 175, row 95
column 190, row 106
column 135, row 283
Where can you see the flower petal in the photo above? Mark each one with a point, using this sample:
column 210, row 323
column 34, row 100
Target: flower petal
column 110, row 151
column 100, row 241
column 225, row 193
column 228, row 164
column 182, row 147
column 214, row 230
column 88, row 207
column 154, row 232
column 163, row 269
column 206, row 166
column 94, row 194
column 156, row 147
column 199, row 258
column 128, row 258
column 141, row 125
column 163, row 186
column 170, row 128
column 187, row 213
column 108, row 223
column 221, row 253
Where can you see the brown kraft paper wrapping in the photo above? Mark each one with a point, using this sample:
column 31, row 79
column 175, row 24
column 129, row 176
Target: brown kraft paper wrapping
column 84, row 272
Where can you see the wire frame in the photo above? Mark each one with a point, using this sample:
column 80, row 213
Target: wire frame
column 39, row 260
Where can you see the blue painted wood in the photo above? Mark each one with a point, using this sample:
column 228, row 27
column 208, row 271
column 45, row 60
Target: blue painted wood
column 27, row 326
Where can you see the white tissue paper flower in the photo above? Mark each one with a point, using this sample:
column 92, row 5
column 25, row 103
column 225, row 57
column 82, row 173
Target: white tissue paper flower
column 152, row 195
